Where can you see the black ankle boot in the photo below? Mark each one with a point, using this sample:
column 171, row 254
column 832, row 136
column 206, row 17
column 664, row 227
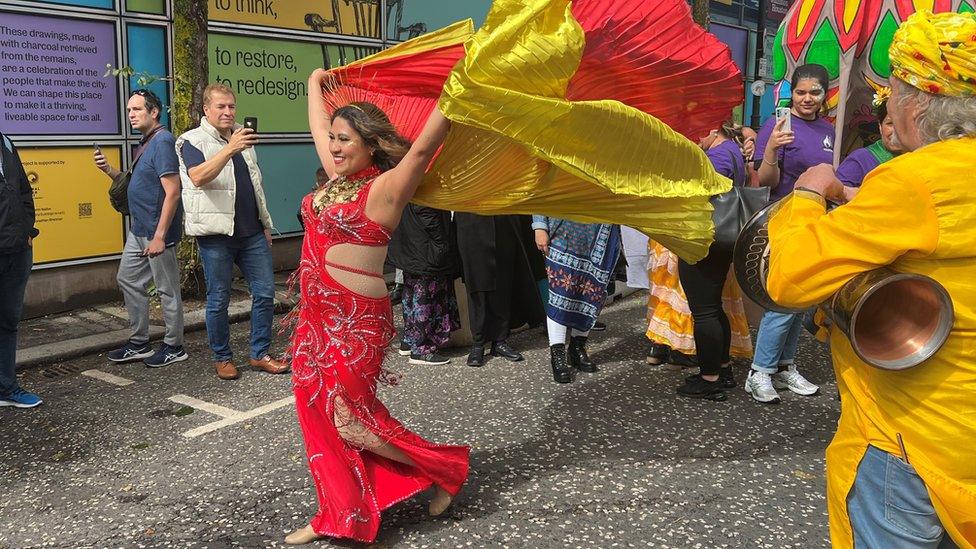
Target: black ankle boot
column 578, row 357
column 557, row 357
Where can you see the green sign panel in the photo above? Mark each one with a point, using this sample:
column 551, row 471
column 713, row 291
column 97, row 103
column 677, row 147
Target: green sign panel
column 270, row 78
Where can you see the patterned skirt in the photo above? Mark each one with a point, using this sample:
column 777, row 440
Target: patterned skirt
column 579, row 265
column 669, row 320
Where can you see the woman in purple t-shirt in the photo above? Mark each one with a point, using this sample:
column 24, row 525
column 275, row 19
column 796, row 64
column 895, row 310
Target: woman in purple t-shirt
column 785, row 155
column 703, row 282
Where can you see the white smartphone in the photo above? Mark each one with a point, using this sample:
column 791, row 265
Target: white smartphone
column 784, row 112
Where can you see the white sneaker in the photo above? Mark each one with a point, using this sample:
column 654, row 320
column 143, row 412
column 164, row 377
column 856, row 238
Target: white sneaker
column 792, row 380
column 760, row 386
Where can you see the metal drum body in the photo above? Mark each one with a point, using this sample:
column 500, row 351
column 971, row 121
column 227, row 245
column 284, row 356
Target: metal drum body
column 893, row 320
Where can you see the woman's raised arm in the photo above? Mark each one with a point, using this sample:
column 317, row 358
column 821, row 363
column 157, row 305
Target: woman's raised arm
column 400, row 183
column 319, row 122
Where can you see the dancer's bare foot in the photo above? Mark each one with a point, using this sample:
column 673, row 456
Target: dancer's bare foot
column 302, row 536
column 442, row 500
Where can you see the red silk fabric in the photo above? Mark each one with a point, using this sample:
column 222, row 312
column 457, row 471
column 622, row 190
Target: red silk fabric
column 643, row 54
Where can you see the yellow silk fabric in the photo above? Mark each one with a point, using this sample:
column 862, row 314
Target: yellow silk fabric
column 519, row 146
column 936, row 53
column 915, row 213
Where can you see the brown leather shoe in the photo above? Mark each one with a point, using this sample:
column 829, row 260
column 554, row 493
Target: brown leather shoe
column 226, row 370
column 270, row 365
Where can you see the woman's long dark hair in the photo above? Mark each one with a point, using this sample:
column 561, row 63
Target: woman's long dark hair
column 378, row 133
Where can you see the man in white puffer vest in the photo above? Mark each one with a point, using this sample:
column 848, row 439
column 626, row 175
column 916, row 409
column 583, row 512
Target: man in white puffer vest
column 226, row 210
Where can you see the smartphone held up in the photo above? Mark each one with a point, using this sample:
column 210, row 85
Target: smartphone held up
column 251, row 122
column 784, row 112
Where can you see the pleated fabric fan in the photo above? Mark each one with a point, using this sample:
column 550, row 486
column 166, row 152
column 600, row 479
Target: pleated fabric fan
column 582, row 110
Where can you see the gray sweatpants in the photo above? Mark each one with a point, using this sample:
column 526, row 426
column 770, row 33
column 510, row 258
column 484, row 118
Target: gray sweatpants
column 135, row 273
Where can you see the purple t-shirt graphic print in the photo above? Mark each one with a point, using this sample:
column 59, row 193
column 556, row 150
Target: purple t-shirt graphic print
column 813, row 143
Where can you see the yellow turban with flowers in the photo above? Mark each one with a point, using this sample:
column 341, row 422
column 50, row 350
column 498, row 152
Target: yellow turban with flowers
column 936, row 53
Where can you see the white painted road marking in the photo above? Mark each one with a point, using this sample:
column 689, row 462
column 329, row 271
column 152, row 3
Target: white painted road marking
column 230, row 417
column 107, row 377
column 204, row 406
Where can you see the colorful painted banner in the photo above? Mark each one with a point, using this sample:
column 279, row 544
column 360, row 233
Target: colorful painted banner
column 851, row 39
column 52, row 81
column 74, row 215
column 270, row 78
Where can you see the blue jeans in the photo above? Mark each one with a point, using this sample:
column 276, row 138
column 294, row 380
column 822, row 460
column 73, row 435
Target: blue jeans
column 15, row 268
column 776, row 343
column 253, row 256
column 890, row 507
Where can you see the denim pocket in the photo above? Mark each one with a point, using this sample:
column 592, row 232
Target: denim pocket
column 907, row 502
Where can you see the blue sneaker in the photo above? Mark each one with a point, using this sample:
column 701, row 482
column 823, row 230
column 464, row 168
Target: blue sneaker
column 130, row 352
column 167, row 354
column 21, row 399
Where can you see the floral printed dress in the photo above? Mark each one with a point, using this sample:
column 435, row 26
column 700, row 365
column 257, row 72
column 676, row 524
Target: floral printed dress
column 579, row 266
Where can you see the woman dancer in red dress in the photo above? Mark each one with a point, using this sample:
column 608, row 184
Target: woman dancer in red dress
column 362, row 459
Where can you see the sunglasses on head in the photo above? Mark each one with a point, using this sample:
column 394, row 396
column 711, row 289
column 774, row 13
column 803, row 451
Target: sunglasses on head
column 152, row 100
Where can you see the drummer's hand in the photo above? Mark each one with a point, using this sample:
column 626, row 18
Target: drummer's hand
column 850, row 193
column 822, row 179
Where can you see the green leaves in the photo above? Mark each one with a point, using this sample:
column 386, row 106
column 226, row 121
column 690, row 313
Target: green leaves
column 143, row 78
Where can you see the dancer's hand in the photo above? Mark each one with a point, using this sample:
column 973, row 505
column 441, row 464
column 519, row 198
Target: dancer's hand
column 317, row 76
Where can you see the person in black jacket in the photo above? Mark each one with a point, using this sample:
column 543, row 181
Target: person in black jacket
column 502, row 270
column 17, row 235
column 425, row 249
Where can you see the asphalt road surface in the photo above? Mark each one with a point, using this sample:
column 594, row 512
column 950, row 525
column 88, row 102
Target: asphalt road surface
column 178, row 458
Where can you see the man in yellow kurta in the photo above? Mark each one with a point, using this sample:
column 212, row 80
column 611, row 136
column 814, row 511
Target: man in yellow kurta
column 915, row 213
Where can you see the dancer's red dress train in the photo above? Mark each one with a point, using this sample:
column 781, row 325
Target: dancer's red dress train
column 337, row 353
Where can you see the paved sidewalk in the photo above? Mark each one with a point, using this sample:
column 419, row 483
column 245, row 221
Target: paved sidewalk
column 55, row 338
column 125, row 456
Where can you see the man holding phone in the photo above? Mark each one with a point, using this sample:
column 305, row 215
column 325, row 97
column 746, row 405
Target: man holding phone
column 149, row 254
column 226, row 210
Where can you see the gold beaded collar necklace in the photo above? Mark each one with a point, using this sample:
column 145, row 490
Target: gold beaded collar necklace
column 343, row 189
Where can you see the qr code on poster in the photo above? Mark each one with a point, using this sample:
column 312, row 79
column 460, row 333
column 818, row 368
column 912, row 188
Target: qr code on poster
column 84, row 209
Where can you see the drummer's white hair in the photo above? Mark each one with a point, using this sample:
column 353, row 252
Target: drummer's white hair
column 941, row 117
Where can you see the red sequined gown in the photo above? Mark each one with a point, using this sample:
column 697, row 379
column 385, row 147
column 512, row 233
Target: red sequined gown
column 339, row 343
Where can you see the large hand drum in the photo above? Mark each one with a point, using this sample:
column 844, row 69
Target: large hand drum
column 893, row 320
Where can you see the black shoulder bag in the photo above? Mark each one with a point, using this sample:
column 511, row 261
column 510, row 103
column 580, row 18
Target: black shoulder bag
column 118, row 192
column 735, row 207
